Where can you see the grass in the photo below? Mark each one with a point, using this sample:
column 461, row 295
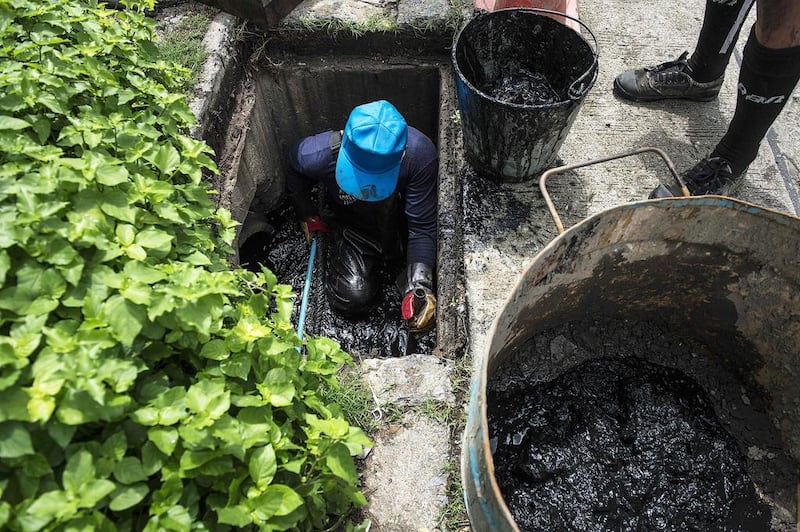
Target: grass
column 358, row 403
column 182, row 44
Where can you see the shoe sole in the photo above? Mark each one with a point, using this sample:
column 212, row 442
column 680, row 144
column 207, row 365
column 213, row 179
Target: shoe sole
column 619, row 91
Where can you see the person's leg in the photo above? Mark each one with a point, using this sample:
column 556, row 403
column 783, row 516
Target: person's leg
column 722, row 23
column 700, row 76
column 770, row 71
column 352, row 281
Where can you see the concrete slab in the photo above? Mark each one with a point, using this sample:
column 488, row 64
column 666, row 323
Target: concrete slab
column 342, row 10
column 409, row 380
column 404, row 478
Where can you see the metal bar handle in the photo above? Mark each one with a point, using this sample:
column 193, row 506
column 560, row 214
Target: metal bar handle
column 561, row 169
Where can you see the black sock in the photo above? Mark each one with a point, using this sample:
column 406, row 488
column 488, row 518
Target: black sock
column 766, row 81
column 721, row 25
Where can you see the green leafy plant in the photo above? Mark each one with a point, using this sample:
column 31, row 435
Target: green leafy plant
column 145, row 384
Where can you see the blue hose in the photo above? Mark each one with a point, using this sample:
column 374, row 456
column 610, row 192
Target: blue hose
column 306, row 288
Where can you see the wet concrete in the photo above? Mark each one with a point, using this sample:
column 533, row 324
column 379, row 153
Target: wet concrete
column 626, row 425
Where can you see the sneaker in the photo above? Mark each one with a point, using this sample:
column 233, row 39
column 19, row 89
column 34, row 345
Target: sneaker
column 669, row 80
column 712, row 175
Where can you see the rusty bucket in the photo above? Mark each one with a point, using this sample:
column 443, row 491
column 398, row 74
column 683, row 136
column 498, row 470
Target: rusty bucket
column 719, row 267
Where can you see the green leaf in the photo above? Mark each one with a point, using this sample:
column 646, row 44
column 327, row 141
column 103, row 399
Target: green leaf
column 278, row 388
column 111, row 175
column 215, row 350
column 142, row 273
column 237, row 365
column 52, row 504
column 129, row 470
column 152, row 459
column 11, row 123
column 124, row 318
column 277, row 500
column 334, row 427
column 79, row 472
column 164, row 438
column 154, row 239
column 128, row 497
column 126, row 234
column 15, row 405
column 201, row 394
column 5, row 265
column 61, row 434
column 262, row 466
column 94, row 492
column 341, row 464
column 166, row 159
column 14, row 441
column 237, row 516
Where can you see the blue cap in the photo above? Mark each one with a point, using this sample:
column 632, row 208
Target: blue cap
column 373, row 143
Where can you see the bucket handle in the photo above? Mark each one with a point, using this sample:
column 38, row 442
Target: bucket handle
column 561, row 169
column 573, row 92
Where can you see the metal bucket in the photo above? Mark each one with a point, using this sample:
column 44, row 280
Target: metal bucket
column 512, row 140
column 718, row 266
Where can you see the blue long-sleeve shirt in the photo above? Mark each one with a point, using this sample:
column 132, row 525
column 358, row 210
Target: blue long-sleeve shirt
column 313, row 160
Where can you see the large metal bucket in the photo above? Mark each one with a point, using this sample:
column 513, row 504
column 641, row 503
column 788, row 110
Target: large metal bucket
column 719, row 266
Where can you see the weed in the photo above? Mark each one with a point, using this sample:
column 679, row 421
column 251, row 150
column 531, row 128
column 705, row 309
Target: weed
column 454, row 514
column 359, row 405
column 182, row 44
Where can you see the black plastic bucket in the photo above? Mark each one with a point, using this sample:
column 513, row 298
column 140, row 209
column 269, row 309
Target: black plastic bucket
column 521, row 79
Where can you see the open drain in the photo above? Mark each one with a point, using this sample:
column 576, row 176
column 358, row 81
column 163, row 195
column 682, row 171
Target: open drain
column 303, row 96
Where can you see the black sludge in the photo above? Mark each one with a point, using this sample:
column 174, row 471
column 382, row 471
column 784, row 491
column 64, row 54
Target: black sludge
column 522, row 86
column 620, row 444
column 380, row 332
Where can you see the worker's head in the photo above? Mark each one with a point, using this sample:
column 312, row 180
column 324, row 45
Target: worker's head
column 373, row 143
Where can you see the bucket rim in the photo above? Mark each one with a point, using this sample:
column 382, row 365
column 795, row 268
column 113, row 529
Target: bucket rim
column 572, row 95
column 478, row 402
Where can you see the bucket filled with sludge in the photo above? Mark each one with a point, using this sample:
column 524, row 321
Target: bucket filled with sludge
column 521, row 78
column 642, row 375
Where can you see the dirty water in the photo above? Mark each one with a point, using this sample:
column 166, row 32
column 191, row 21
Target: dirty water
column 379, row 333
column 587, row 435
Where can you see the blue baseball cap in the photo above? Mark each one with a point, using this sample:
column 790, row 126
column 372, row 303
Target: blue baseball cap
column 373, row 143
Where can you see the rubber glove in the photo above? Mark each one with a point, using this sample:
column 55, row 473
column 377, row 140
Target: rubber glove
column 418, row 306
column 314, row 225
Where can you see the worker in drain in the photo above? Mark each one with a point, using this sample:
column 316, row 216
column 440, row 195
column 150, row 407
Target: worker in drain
column 380, row 177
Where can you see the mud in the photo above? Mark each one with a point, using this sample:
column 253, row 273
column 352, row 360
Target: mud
column 521, row 86
column 380, row 333
column 511, row 216
column 620, row 445
column 610, row 424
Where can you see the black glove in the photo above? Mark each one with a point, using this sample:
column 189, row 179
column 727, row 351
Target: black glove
column 418, row 306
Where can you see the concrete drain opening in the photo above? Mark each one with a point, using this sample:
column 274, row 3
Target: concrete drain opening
column 279, row 104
